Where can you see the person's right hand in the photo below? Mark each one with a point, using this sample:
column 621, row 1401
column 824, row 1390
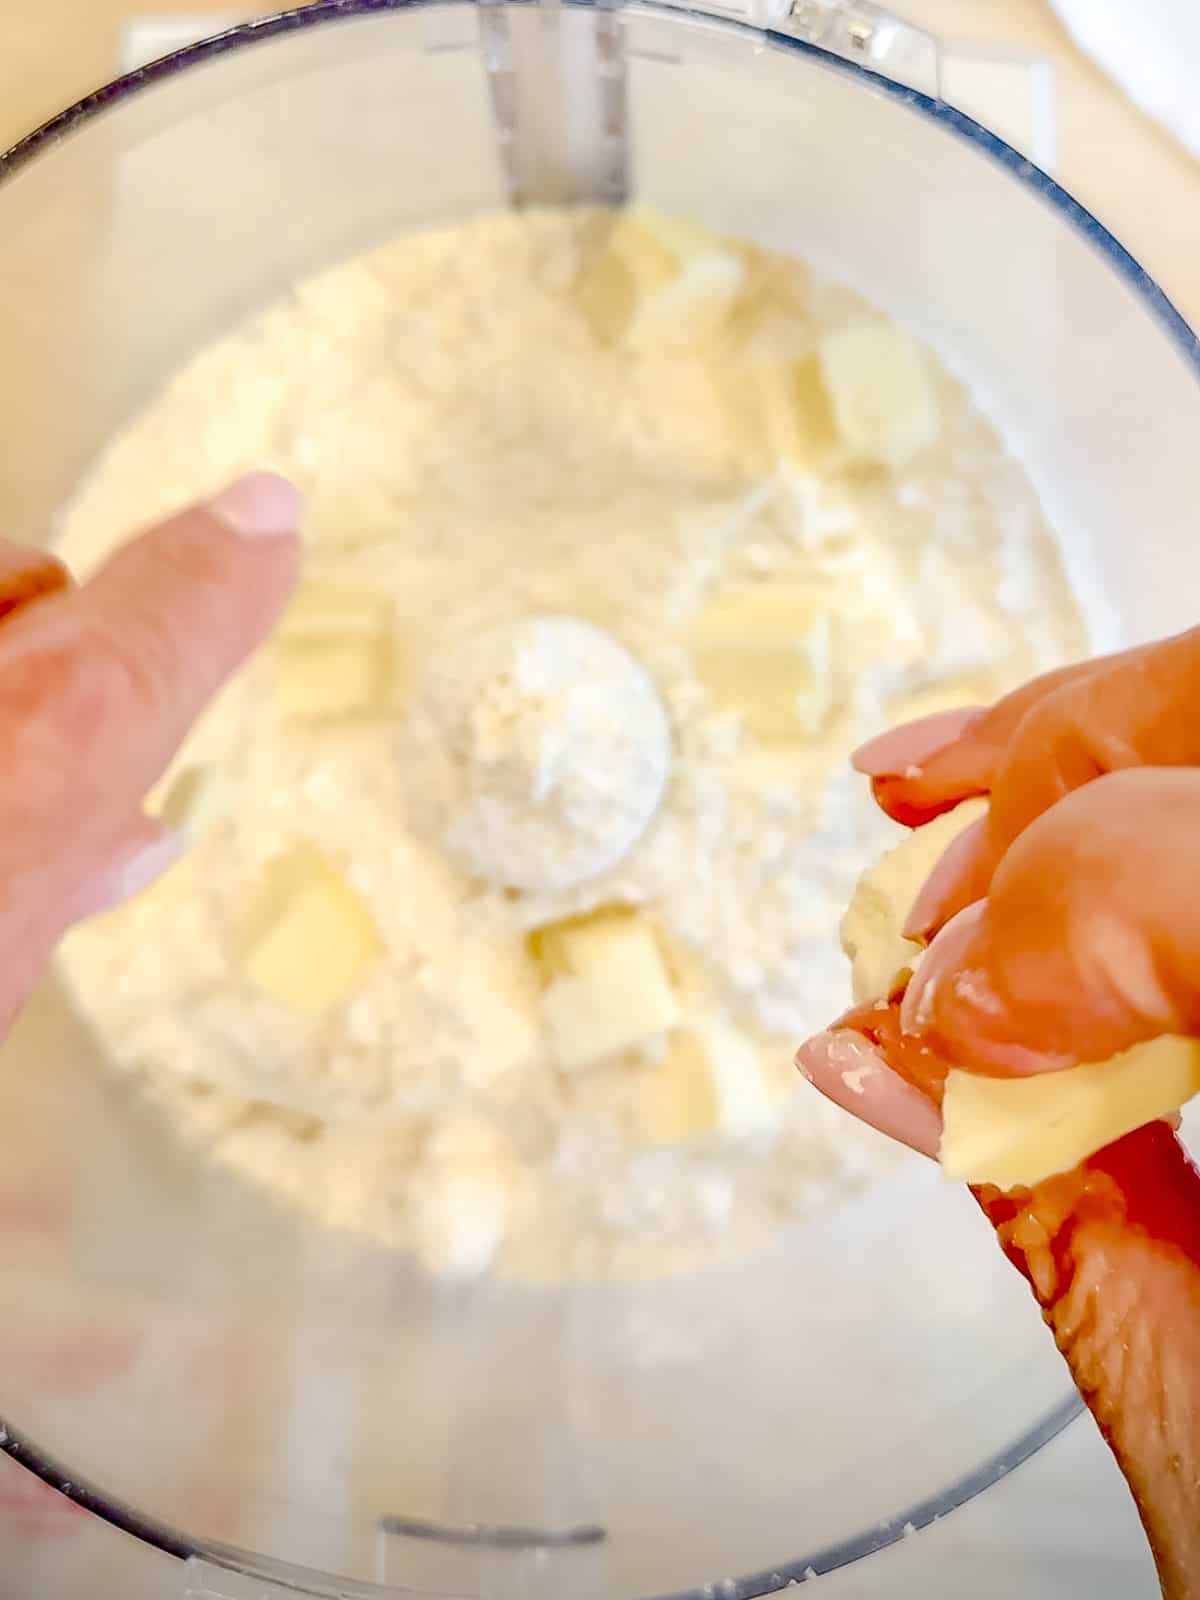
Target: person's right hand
column 1065, row 927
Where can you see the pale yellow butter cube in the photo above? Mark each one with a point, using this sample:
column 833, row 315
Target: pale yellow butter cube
column 746, row 1103
column 872, row 928
column 677, row 1099
column 658, row 282
column 711, row 1082
column 608, row 990
column 629, row 266
column 690, row 309
column 765, row 651
column 881, row 391
column 324, row 607
column 307, row 940
column 798, row 421
column 1015, row 1132
column 326, row 678
column 333, row 654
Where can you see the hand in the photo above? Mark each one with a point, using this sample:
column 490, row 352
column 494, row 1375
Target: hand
column 98, row 687
column 1065, row 927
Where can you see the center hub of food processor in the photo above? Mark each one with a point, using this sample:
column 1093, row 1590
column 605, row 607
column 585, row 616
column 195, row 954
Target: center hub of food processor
column 545, row 751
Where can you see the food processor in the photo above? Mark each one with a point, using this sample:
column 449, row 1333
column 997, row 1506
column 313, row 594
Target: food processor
column 278, row 1410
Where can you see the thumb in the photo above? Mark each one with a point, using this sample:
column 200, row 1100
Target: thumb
column 1088, row 941
column 98, row 687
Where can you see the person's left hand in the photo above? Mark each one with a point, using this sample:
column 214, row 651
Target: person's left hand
column 99, row 684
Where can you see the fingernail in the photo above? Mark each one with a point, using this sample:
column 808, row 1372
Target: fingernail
column 261, row 505
column 126, row 876
column 956, row 868
column 847, row 1069
column 894, row 753
column 947, row 961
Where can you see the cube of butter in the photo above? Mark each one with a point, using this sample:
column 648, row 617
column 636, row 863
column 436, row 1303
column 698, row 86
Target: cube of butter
column 323, row 608
column 690, row 309
column 629, row 265
column 608, row 989
column 711, row 1082
column 872, row 928
column 658, row 281
column 787, row 402
column 765, row 651
column 343, row 675
column 306, row 939
column 333, row 652
column 1017, row 1131
column 883, row 399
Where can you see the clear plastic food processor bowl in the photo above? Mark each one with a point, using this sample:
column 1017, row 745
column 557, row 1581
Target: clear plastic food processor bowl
column 253, row 1396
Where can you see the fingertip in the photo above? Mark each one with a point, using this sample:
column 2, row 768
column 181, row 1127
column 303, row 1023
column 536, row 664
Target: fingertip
column 897, row 751
column 961, row 772
column 847, row 1069
column 952, row 1004
column 260, row 505
column 945, row 964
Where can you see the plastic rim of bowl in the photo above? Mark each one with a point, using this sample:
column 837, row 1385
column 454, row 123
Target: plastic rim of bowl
column 174, row 1542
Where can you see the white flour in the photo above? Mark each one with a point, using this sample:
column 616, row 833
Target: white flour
column 473, row 454
column 540, row 751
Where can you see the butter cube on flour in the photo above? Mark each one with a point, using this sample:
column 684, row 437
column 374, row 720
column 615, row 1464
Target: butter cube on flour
column 326, row 679
column 658, row 282
column 608, row 986
column 711, row 1082
column 783, row 407
column 333, row 654
column 691, row 308
column 765, row 651
column 883, row 399
column 306, row 939
column 324, row 608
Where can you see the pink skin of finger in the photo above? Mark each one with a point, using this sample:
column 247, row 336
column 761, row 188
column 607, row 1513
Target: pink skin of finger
column 98, row 687
column 847, row 1069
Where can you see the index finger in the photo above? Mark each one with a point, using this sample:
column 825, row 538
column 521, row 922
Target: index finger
column 915, row 785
